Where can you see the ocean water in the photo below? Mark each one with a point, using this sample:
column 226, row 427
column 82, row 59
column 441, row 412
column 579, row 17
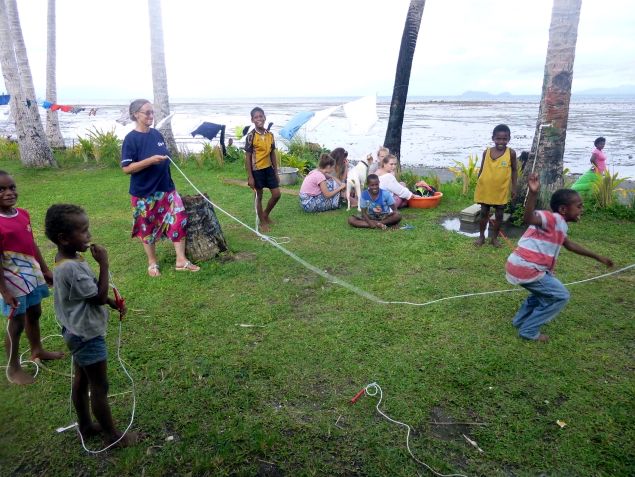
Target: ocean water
column 436, row 131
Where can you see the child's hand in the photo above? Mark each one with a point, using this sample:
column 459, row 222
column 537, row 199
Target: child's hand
column 48, row 277
column 533, row 182
column 99, row 254
column 251, row 182
column 606, row 261
column 9, row 299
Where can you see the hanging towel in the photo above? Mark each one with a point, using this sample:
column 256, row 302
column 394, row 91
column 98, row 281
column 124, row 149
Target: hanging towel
column 361, row 114
column 209, row 131
column 4, row 99
column 296, row 122
column 46, row 104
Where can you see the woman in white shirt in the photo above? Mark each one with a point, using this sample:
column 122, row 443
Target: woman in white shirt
column 388, row 181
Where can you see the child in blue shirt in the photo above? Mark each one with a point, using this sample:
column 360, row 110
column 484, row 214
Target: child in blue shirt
column 376, row 204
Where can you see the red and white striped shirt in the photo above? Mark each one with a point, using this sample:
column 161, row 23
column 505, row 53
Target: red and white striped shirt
column 537, row 249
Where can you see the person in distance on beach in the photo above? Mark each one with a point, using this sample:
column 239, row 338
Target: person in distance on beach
column 496, row 180
column 157, row 207
column 261, row 166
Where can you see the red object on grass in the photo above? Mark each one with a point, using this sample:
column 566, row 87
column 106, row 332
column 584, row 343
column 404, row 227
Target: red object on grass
column 119, row 300
column 358, row 395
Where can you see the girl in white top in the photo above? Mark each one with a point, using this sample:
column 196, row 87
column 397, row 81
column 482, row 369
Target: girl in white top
column 388, row 181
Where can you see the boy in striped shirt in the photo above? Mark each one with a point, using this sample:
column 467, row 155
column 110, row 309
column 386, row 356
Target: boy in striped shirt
column 531, row 264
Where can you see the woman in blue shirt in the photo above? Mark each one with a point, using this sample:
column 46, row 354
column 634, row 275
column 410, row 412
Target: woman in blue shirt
column 157, row 207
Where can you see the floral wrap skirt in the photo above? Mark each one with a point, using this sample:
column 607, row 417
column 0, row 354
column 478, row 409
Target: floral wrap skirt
column 160, row 214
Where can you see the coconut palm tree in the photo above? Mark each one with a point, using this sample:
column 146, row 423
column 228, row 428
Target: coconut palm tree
column 33, row 146
column 547, row 151
column 159, row 75
column 402, row 77
column 53, row 132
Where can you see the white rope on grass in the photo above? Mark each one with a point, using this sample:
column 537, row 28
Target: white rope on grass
column 372, row 390
column 353, row 288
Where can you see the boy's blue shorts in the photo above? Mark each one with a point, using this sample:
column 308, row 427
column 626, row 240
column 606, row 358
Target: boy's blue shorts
column 85, row 352
column 26, row 301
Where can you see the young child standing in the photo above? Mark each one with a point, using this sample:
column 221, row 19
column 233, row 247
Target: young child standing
column 376, row 204
column 496, row 179
column 79, row 300
column 23, row 281
column 261, row 165
column 531, row 264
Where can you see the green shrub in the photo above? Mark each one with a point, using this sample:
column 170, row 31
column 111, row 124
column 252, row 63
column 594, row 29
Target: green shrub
column 235, row 154
column 289, row 160
column 605, row 189
column 106, row 146
column 9, row 149
column 467, row 174
column 410, row 179
column 305, row 151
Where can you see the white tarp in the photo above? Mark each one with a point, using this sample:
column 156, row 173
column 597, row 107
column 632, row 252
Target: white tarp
column 319, row 117
column 361, row 114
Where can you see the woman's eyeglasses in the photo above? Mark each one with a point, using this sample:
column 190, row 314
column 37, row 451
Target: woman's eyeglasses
column 147, row 113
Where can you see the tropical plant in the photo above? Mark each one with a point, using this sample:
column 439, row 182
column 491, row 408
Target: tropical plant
column 289, row 160
column 467, row 174
column 234, row 154
column 305, row 151
column 410, row 179
column 210, row 154
column 34, row 148
column 605, row 189
column 549, row 139
column 159, row 74
column 9, row 149
column 84, row 149
column 53, row 132
column 106, row 145
column 402, row 78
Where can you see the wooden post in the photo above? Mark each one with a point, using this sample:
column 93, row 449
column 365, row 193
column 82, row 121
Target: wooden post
column 205, row 238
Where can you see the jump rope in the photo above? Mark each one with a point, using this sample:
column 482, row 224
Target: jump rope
column 371, row 389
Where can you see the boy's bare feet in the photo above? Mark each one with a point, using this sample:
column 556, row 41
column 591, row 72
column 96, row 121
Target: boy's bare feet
column 542, row 338
column 479, row 241
column 47, row 355
column 129, row 439
column 269, row 221
column 92, row 430
column 18, row 376
column 264, row 227
column 495, row 242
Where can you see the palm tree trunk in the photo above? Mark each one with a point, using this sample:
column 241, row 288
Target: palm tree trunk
column 402, row 77
column 547, row 151
column 34, row 149
column 159, row 75
column 53, row 132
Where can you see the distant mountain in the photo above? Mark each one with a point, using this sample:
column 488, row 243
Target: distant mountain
column 625, row 89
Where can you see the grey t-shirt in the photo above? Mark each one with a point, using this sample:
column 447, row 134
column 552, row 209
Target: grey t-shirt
column 75, row 283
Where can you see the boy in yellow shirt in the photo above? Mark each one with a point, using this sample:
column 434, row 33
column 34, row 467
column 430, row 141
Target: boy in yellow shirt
column 496, row 181
column 261, row 166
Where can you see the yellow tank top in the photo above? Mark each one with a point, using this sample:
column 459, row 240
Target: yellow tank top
column 494, row 184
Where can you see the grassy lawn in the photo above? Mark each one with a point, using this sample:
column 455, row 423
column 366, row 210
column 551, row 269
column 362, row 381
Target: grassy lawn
column 273, row 399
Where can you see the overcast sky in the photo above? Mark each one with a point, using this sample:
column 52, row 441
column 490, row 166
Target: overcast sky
column 283, row 48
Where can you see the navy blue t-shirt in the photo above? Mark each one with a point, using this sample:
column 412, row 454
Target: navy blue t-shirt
column 138, row 146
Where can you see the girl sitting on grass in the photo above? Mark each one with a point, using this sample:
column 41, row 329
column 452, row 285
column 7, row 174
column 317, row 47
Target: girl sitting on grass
column 320, row 193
